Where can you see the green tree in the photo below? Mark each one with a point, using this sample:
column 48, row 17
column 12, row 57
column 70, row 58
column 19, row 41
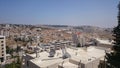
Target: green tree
column 78, row 45
column 14, row 64
column 18, row 60
column 113, row 58
column 7, row 49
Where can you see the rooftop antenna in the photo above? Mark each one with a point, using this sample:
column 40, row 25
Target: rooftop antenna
column 37, row 50
column 38, row 39
column 62, row 63
column 64, row 52
column 79, row 64
column 52, row 52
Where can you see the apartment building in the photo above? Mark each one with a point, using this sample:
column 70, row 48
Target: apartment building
column 2, row 49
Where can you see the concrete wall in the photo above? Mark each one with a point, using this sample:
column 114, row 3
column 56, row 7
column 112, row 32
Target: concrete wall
column 27, row 58
column 93, row 64
column 32, row 65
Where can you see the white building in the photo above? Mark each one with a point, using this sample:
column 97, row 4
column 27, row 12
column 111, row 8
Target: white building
column 5, row 32
column 80, row 57
column 75, row 38
column 2, row 49
column 78, row 38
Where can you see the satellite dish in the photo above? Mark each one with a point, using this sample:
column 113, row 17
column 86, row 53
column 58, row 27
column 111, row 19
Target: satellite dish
column 37, row 50
column 52, row 52
column 65, row 53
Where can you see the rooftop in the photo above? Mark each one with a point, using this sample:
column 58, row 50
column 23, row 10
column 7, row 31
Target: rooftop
column 85, row 55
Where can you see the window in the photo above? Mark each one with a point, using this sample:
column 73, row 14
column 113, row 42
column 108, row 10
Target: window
column 2, row 54
column 1, row 41
column 2, row 38
column 2, row 51
column 2, row 45
column 2, row 48
column 2, row 59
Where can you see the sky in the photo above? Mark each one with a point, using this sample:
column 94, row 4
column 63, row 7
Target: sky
column 102, row 13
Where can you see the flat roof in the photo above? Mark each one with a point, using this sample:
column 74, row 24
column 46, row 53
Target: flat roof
column 104, row 41
column 86, row 56
column 68, row 65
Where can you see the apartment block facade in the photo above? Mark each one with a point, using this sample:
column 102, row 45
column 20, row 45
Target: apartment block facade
column 2, row 49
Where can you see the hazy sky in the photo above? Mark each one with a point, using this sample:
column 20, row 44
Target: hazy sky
column 101, row 13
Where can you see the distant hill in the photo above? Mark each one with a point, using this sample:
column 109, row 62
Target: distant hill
column 87, row 29
column 93, row 29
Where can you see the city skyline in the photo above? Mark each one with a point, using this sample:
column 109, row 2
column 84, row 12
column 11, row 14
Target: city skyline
column 102, row 13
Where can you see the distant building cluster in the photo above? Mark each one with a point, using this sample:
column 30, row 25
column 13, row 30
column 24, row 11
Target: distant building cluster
column 52, row 47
